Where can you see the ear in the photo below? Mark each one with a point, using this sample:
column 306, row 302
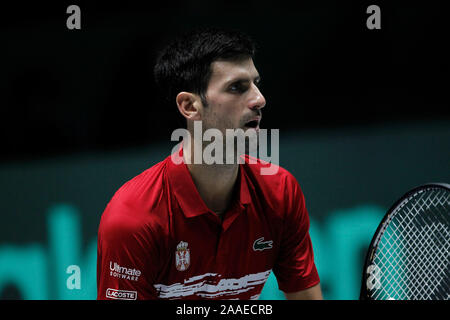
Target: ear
column 189, row 105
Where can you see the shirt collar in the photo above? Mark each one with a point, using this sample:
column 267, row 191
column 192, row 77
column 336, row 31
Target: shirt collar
column 184, row 189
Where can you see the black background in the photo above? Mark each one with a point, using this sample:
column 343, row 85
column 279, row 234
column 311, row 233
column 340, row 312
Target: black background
column 67, row 91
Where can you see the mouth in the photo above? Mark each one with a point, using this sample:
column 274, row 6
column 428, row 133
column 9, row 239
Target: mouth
column 253, row 123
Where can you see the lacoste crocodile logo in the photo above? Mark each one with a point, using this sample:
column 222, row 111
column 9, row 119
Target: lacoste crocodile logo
column 260, row 244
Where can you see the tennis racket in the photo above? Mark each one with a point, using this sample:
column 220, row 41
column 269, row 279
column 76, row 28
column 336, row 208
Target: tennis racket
column 408, row 258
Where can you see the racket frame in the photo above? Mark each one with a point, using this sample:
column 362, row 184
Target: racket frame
column 364, row 293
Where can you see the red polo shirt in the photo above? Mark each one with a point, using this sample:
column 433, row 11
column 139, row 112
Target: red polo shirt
column 158, row 239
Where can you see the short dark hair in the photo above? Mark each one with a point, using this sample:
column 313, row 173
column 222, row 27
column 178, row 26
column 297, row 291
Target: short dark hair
column 185, row 64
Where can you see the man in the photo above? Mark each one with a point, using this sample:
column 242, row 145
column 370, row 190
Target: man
column 182, row 230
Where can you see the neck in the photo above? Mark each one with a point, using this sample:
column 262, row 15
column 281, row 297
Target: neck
column 214, row 182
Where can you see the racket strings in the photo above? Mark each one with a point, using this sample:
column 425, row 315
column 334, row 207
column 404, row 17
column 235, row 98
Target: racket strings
column 412, row 259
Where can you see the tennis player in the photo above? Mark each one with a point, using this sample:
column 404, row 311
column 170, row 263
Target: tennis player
column 181, row 230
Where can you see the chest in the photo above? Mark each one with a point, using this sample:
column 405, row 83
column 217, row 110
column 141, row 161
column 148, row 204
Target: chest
column 210, row 256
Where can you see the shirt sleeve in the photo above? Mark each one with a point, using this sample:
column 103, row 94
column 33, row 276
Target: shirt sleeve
column 295, row 269
column 127, row 255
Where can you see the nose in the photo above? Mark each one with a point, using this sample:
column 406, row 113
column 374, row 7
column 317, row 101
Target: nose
column 257, row 100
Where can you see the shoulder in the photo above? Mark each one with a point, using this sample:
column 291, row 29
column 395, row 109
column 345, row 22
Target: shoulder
column 278, row 185
column 268, row 173
column 149, row 183
column 138, row 205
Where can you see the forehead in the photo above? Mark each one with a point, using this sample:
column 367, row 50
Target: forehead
column 224, row 71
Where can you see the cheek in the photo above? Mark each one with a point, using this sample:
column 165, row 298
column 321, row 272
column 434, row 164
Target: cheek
column 222, row 113
column 226, row 116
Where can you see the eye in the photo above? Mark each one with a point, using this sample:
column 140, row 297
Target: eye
column 237, row 87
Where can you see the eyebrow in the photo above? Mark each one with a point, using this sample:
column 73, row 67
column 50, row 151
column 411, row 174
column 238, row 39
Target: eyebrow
column 240, row 79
